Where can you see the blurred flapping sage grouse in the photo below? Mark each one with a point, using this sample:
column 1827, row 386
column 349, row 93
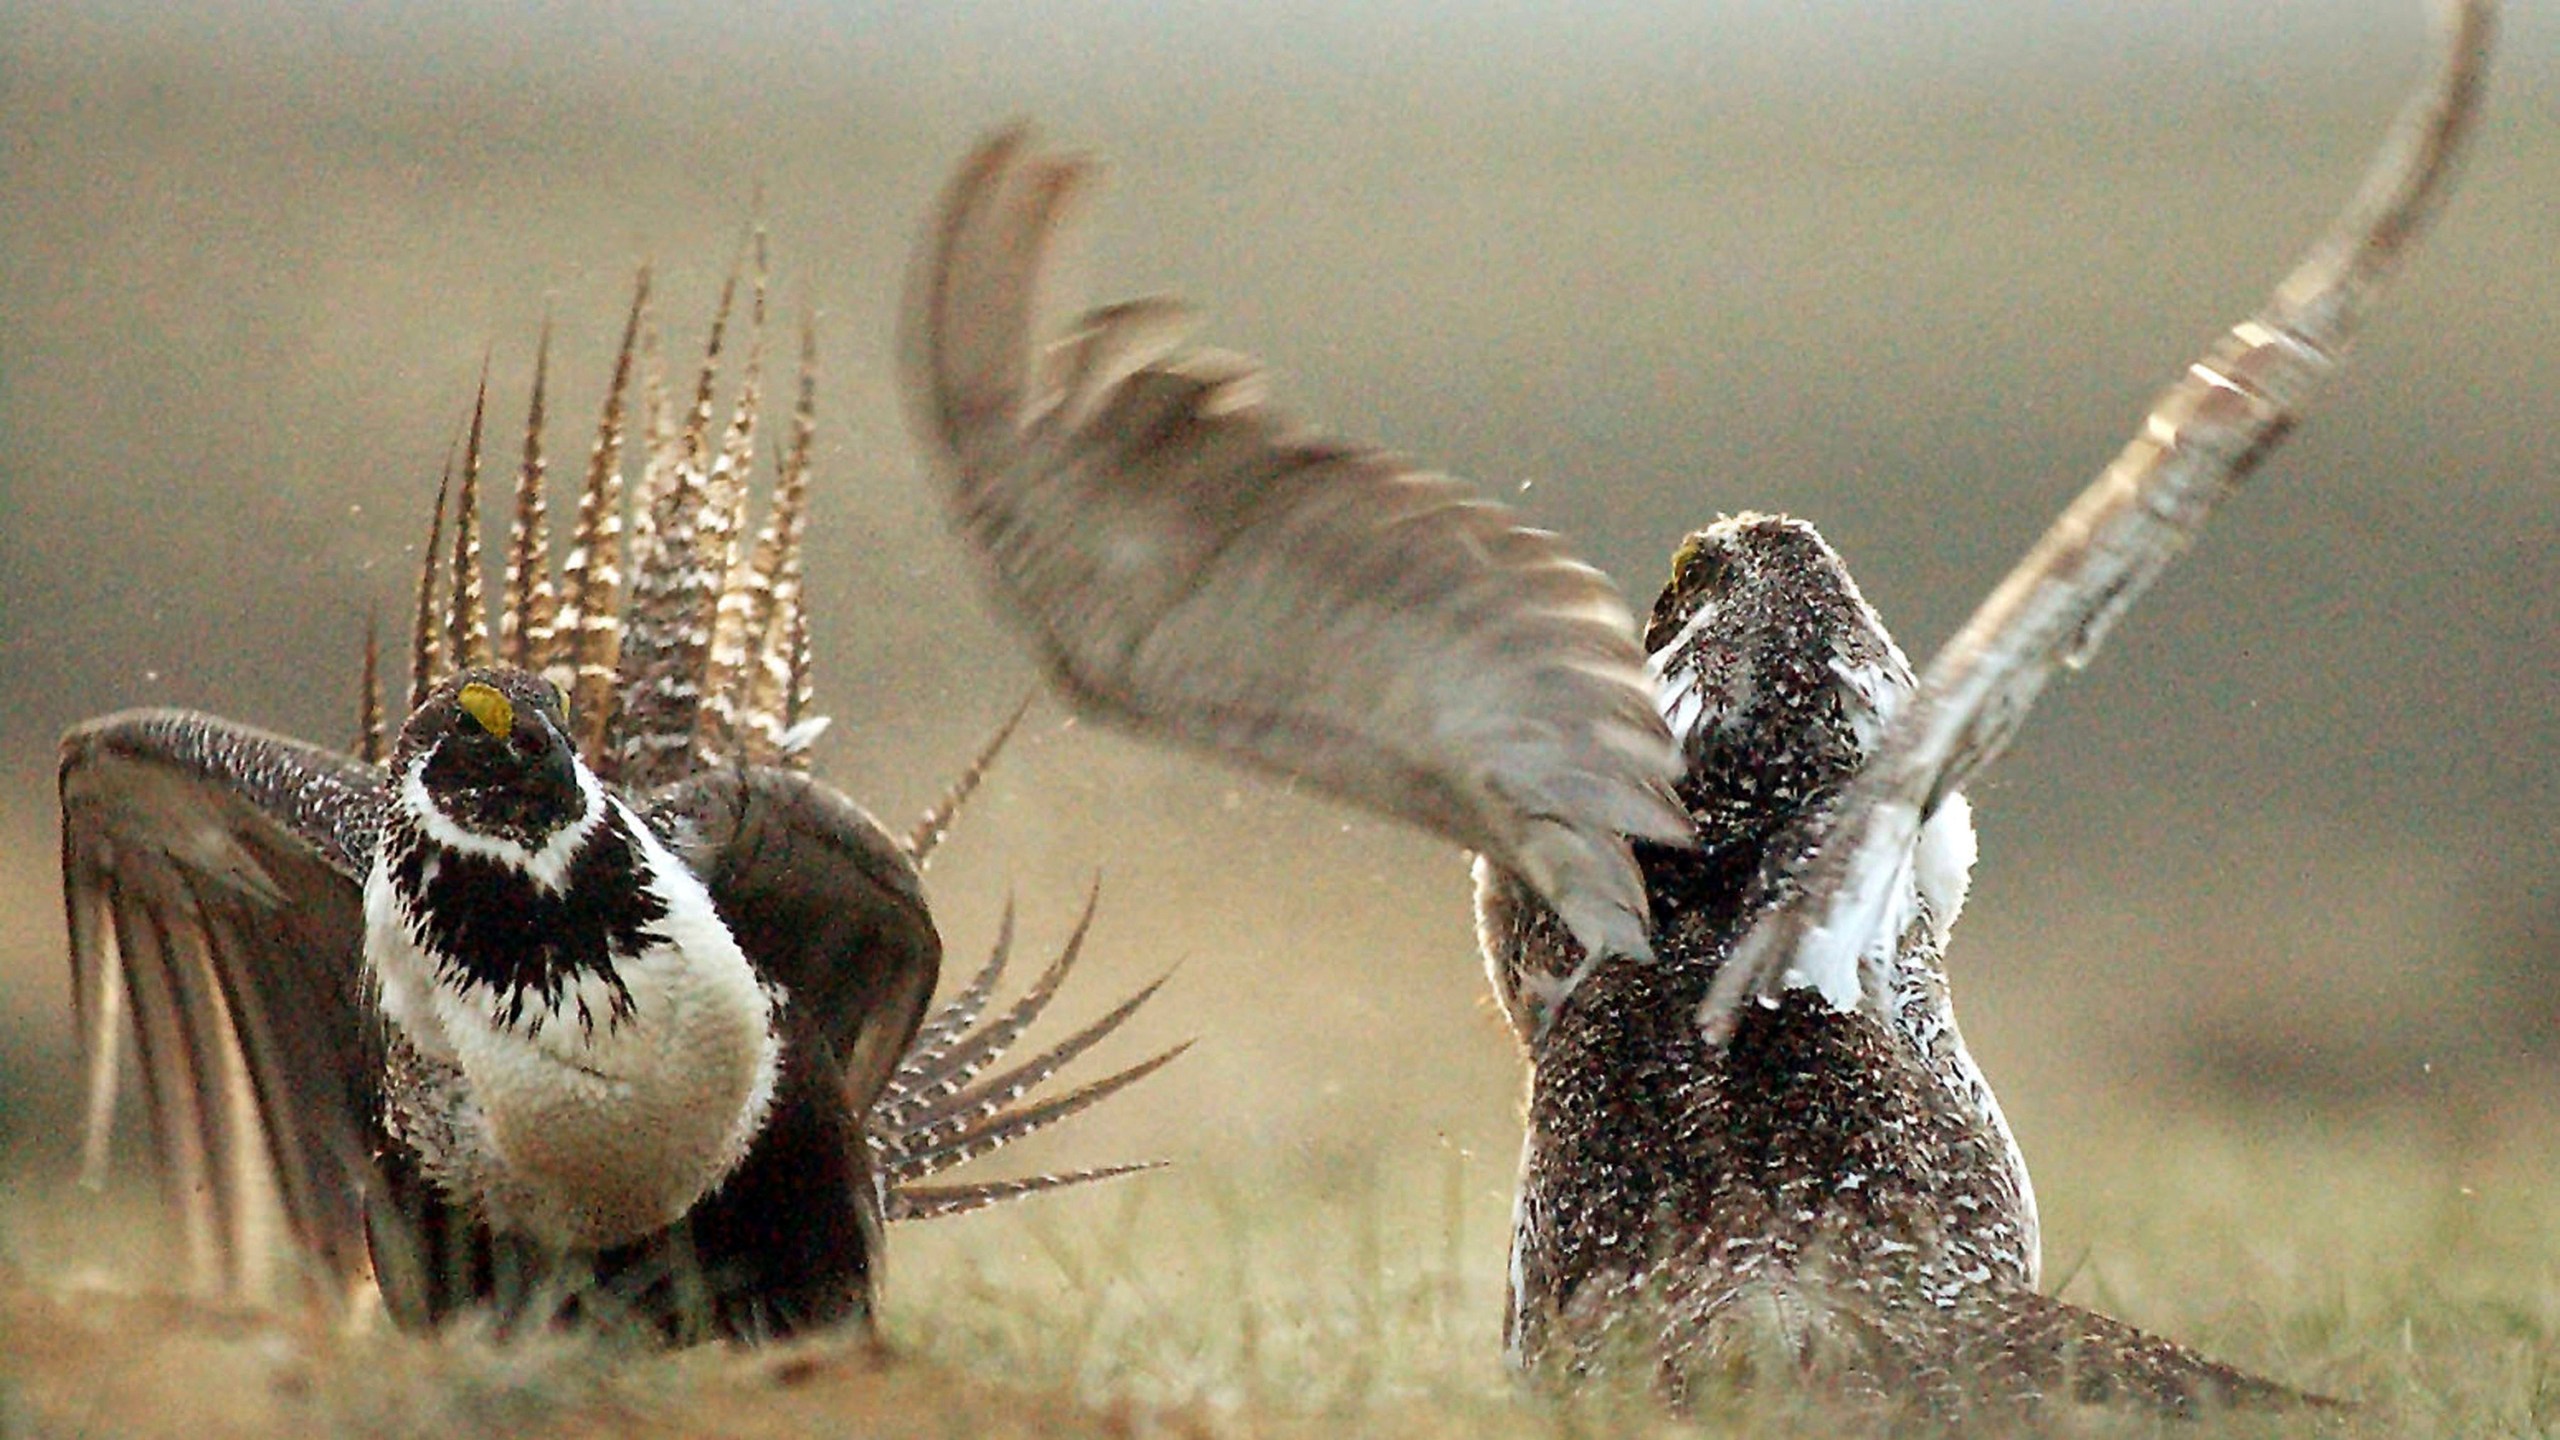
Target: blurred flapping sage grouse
column 588, row 998
column 1753, row 1128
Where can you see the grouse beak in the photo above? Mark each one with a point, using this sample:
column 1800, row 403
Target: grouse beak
column 535, row 744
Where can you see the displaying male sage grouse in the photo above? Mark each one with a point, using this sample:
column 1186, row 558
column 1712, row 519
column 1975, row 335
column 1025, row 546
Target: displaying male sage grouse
column 1753, row 1131
column 587, row 998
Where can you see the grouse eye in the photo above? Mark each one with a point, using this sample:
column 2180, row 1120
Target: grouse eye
column 1702, row 569
column 527, row 742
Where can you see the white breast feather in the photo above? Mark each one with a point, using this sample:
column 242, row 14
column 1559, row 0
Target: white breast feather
column 601, row 1133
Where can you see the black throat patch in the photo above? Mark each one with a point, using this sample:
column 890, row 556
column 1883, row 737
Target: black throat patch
column 486, row 922
column 515, row 788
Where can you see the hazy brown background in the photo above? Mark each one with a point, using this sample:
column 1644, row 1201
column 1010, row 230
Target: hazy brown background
column 1910, row 271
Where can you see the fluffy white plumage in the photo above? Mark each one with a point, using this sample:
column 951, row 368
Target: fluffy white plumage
column 588, row 1134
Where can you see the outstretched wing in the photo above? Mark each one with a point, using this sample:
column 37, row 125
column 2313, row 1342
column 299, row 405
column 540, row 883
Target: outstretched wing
column 213, row 878
column 2224, row 416
column 1190, row 567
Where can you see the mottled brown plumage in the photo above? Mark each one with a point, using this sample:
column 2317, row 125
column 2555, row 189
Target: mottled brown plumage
column 1834, row 1183
column 1769, row 1139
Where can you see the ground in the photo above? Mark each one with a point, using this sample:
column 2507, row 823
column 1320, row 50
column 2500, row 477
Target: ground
column 1342, row 1295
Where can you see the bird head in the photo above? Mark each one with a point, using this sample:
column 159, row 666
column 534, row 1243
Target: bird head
column 1773, row 672
column 492, row 755
column 1777, row 679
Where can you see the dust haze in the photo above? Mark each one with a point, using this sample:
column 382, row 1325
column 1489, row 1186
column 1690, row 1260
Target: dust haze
column 1910, row 272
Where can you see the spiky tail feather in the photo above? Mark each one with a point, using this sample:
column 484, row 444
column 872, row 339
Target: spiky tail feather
column 931, row 1116
column 771, row 693
column 591, row 578
column 934, row 825
column 674, row 589
column 703, row 659
column 467, row 623
column 526, row 613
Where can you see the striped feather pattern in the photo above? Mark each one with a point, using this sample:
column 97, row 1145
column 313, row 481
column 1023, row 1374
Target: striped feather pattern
column 933, row 1202
column 591, row 578
column 684, row 649
column 525, row 613
column 667, row 628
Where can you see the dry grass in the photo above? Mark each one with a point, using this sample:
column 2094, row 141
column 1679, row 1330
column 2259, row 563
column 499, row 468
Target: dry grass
column 1333, row 1296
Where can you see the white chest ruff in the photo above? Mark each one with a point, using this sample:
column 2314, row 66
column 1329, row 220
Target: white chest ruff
column 589, row 1135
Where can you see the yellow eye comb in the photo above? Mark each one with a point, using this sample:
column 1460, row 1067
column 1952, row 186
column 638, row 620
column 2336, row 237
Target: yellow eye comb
column 495, row 712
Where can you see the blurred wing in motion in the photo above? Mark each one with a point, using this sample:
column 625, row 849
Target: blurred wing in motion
column 1192, row 568
column 212, row 879
column 2208, row 431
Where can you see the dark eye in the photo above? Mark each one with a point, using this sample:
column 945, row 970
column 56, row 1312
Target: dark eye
column 527, row 742
column 1703, row 570
column 1699, row 569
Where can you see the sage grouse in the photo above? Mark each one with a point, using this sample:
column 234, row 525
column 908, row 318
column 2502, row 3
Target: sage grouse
column 584, row 999
column 1756, row 1121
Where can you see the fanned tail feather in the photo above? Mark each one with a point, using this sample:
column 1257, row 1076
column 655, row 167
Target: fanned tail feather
column 928, row 1124
column 927, row 1081
column 768, row 693
column 976, row 1105
column 682, row 648
column 525, row 614
column 685, row 648
column 913, row 1161
column 932, row 826
column 426, row 644
column 591, row 579
column 467, row 621
column 935, row 1202
column 371, row 740
column 667, row 630
column 800, row 727
column 733, row 601
column 952, row 1019
column 661, row 455
column 931, row 1116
